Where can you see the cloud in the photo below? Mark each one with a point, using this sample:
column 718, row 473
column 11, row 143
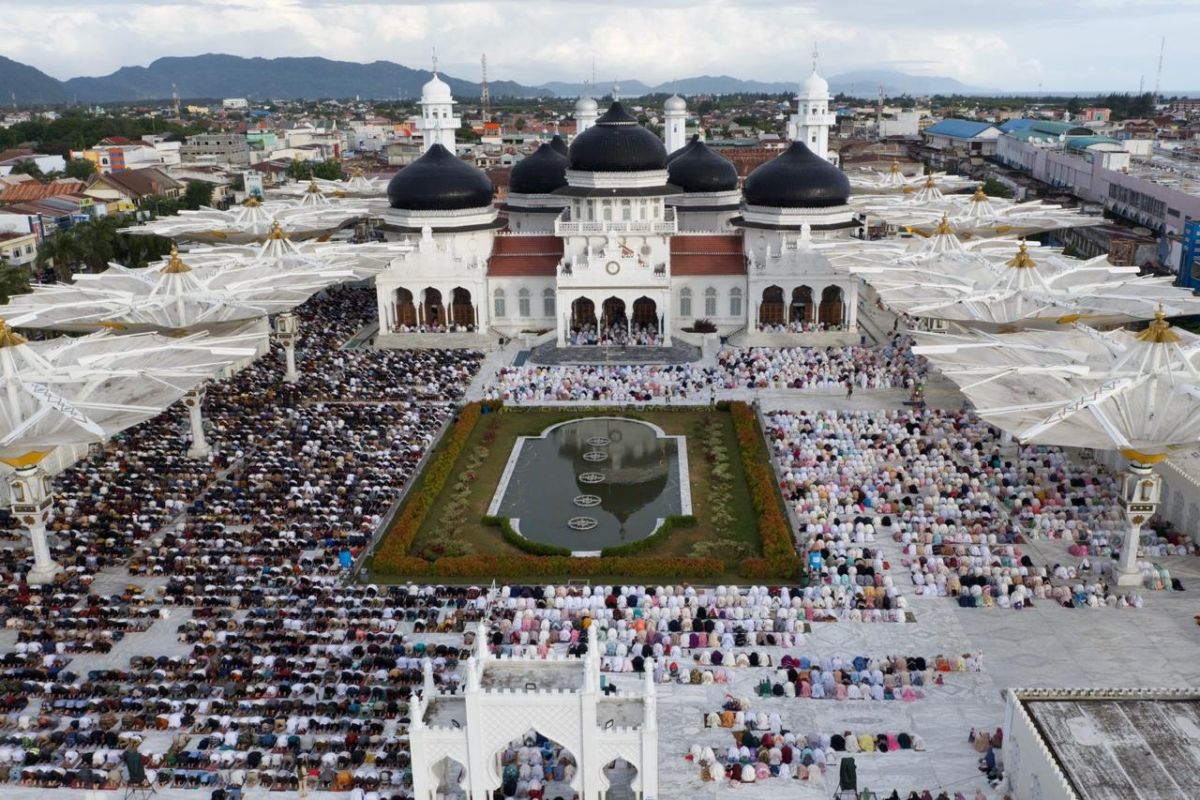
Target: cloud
column 1105, row 43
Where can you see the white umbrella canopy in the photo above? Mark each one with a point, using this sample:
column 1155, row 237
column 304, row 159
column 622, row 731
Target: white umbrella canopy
column 172, row 295
column 80, row 390
column 357, row 185
column 1119, row 390
column 894, row 180
column 972, row 216
column 253, row 220
column 281, row 251
column 993, row 283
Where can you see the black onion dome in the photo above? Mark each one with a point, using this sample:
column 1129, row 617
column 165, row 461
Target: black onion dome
column 686, row 148
column 797, row 178
column 559, row 145
column 616, row 143
column 439, row 181
column 699, row 169
column 539, row 173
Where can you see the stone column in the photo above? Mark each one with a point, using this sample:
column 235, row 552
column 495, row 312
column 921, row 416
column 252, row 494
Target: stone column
column 194, row 401
column 31, row 506
column 287, row 330
column 1140, row 494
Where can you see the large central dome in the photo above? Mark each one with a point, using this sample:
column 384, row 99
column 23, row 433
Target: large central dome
column 616, row 143
column 439, row 181
column 797, row 178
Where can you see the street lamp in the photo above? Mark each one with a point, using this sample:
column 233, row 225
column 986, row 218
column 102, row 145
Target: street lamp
column 287, row 330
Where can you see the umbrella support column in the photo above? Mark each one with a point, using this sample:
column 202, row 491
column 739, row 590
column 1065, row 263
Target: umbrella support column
column 32, row 506
column 194, row 400
column 1139, row 495
column 287, row 329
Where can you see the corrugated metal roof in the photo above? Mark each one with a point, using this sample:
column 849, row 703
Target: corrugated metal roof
column 707, row 254
column 522, row 256
column 959, row 128
column 32, row 190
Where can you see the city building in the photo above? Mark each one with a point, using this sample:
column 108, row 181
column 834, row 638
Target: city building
column 18, row 249
column 614, row 236
column 953, row 142
column 216, row 148
column 235, row 104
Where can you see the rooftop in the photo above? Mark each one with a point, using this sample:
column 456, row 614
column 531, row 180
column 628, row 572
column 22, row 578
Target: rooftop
column 1123, row 745
column 542, row 676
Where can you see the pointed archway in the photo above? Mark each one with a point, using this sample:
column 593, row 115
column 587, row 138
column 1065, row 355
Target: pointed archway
column 830, row 315
column 770, row 311
column 801, row 311
column 535, row 765
column 462, row 309
column 406, row 310
column 621, row 777
column 583, row 321
column 433, row 309
column 449, row 780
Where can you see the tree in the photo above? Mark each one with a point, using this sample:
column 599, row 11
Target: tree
column 61, row 251
column 13, row 280
column 994, row 188
column 519, row 124
column 28, row 166
column 197, row 193
column 80, row 169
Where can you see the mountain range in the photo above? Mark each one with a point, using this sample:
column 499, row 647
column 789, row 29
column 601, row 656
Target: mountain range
column 216, row 75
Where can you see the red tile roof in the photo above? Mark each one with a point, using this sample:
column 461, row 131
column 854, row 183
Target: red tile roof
column 16, row 152
column 709, row 254
column 32, row 190
column 525, row 256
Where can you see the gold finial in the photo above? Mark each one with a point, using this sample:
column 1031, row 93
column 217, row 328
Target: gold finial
column 1022, row 260
column 1159, row 331
column 895, row 167
column 175, row 265
column 979, row 196
column 252, row 202
column 312, row 186
column 357, row 172
column 277, row 231
column 943, row 228
column 929, row 184
column 9, row 337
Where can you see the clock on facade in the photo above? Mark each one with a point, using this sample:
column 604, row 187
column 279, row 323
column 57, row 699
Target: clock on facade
column 612, row 267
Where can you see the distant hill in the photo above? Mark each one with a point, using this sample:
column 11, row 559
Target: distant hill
column 29, row 85
column 214, row 75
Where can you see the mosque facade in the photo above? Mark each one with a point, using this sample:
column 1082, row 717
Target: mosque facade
column 621, row 238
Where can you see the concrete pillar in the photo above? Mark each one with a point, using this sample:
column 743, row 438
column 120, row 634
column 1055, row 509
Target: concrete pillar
column 1128, row 573
column 31, row 505
column 194, row 400
column 1140, row 495
column 287, row 331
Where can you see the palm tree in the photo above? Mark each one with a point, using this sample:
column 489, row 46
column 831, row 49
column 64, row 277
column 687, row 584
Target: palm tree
column 62, row 251
column 13, row 280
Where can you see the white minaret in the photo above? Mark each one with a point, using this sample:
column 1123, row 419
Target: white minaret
column 675, row 123
column 813, row 119
column 438, row 123
column 586, row 111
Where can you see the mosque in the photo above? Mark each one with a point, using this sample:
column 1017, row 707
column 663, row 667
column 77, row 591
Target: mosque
column 622, row 238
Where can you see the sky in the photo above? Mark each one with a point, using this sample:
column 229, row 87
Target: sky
column 1014, row 45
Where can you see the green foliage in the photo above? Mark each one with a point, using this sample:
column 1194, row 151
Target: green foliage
column 994, row 188
column 28, row 167
column 330, row 170
column 197, row 193
column 80, row 169
column 518, row 541
column 651, row 541
column 14, row 280
column 75, row 130
column 91, row 245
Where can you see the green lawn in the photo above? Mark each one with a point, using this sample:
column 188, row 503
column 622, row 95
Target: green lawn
column 451, row 529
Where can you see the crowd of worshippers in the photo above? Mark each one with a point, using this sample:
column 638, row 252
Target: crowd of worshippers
column 797, row 327
column 529, row 764
column 616, row 334
column 605, row 384
column 892, row 366
column 937, row 483
column 453, row 327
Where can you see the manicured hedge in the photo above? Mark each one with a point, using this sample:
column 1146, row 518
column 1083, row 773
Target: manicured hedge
column 399, row 539
column 520, row 542
column 653, row 540
column 780, row 559
column 488, row 566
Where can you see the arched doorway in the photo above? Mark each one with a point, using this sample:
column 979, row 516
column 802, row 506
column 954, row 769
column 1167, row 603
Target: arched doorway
column 406, row 310
column 620, row 775
column 449, row 777
column 770, row 312
column 802, row 305
column 645, row 321
column 831, row 307
column 583, row 321
column 434, row 311
column 613, row 316
column 462, row 310
column 535, row 763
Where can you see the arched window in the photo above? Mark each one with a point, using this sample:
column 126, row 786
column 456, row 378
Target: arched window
column 710, row 302
column 735, row 302
column 523, row 303
column 685, row 302
column 498, row 303
column 548, row 303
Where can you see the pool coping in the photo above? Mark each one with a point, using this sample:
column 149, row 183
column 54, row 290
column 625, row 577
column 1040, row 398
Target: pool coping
column 685, row 486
